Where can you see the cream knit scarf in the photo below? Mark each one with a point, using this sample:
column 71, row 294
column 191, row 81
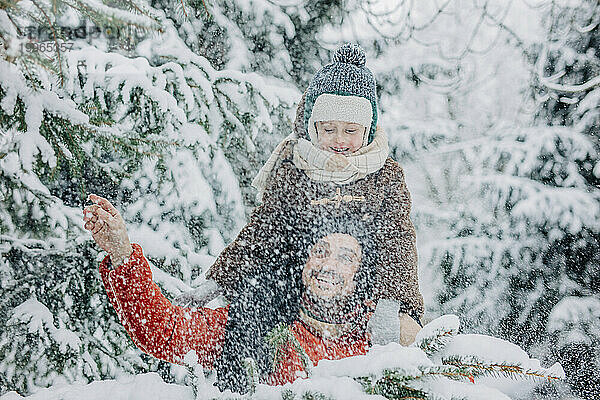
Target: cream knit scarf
column 325, row 166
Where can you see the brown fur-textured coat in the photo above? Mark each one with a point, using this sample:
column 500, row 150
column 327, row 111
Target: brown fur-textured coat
column 291, row 198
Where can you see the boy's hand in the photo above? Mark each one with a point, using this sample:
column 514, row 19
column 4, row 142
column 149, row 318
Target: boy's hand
column 108, row 229
column 384, row 324
column 198, row 297
column 387, row 324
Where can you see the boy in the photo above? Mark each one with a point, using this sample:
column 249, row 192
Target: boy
column 334, row 165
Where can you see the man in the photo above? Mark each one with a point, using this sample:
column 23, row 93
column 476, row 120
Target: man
column 327, row 314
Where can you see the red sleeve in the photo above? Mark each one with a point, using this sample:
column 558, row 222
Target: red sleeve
column 156, row 326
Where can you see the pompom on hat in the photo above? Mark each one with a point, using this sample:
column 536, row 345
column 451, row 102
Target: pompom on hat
column 343, row 90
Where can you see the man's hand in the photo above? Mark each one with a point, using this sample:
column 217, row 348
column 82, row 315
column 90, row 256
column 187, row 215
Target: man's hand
column 408, row 329
column 108, row 229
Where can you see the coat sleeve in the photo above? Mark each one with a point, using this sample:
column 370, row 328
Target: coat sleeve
column 258, row 243
column 155, row 325
column 397, row 272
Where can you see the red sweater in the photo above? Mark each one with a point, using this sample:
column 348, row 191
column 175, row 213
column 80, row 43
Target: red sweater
column 169, row 332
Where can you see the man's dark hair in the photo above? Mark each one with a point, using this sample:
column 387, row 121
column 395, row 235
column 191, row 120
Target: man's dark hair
column 273, row 297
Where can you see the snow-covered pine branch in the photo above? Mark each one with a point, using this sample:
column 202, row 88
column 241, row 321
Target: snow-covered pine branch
column 22, row 46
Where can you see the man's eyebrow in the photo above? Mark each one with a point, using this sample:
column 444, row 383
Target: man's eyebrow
column 350, row 250
column 322, row 243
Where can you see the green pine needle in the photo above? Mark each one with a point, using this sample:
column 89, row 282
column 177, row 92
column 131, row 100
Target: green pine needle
column 435, row 343
column 281, row 338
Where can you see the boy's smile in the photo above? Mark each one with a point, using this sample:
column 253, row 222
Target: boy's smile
column 340, row 149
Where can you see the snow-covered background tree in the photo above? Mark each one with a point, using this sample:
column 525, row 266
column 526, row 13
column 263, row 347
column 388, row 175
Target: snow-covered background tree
column 491, row 110
column 148, row 133
column 491, row 107
column 567, row 72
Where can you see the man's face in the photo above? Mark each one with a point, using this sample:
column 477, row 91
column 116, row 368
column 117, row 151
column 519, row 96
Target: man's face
column 340, row 137
column 332, row 263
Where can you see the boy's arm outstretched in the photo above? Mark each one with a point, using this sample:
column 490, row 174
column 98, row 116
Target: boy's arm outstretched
column 398, row 278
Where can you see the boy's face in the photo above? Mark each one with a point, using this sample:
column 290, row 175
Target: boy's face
column 331, row 266
column 339, row 136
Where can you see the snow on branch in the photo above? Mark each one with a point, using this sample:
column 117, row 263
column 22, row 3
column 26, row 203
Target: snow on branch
column 548, row 81
column 138, row 19
column 465, row 366
column 570, row 88
column 575, row 320
column 38, row 318
column 565, row 207
column 437, row 333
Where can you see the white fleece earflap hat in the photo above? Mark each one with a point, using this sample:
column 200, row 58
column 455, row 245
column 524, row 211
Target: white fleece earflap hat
column 334, row 107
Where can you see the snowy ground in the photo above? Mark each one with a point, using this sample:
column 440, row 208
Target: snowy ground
column 335, row 379
column 141, row 387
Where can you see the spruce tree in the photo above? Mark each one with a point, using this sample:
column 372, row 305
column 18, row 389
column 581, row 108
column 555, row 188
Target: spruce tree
column 568, row 87
column 278, row 40
column 517, row 242
column 147, row 133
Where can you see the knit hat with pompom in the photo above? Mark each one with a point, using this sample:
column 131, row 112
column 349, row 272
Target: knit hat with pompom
column 343, row 90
